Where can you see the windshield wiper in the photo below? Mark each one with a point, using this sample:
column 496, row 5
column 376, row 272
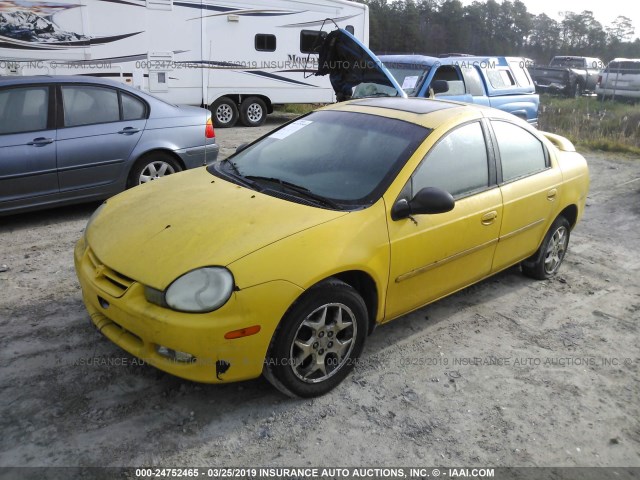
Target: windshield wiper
column 303, row 191
column 246, row 181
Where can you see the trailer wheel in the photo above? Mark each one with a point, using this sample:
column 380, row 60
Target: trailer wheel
column 225, row 112
column 253, row 112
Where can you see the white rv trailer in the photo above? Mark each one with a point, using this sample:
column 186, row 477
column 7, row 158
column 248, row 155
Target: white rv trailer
column 237, row 57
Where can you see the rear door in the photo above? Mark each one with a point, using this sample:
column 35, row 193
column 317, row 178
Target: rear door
column 99, row 127
column 27, row 145
column 530, row 188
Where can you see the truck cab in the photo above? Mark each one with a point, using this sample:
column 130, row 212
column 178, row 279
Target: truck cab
column 499, row 82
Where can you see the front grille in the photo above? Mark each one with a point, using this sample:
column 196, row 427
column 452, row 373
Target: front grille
column 107, row 279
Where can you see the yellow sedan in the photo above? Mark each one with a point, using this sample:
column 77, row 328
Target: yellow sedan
column 282, row 259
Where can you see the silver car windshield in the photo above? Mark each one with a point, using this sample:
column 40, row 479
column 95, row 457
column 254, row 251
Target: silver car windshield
column 346, row 157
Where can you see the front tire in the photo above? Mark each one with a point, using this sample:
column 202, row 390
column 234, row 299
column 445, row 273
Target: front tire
column 547, row 260
column 152, row 167
column 318, row 341
column 253, row 112
column 224, row 112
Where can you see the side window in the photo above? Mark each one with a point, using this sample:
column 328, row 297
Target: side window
column 265, row 42
column 500, row 78
column 132, row 108
column 521, row 153
column 85, row 105
column 23, row 109
column 350, row 29
column 449, row 74
column 518, row 68
column 457, row 163
column 473, row 81
column 310, row 40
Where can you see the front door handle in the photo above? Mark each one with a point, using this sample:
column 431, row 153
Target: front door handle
column 40, row 141
column 551, row 194
column 489, row 218
column 129, row 131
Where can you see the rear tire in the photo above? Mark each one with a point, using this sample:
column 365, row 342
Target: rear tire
column 318, row 341
column 547, row 260
column 224, row 112
column 153, row 166
column 577, row 90
column 253, row 112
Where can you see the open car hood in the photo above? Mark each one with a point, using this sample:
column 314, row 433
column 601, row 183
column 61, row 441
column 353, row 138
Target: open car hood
column 349, row 63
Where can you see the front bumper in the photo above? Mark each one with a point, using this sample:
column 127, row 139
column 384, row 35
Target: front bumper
column 122, row 313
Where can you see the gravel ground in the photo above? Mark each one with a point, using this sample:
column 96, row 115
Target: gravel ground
column 509, row 372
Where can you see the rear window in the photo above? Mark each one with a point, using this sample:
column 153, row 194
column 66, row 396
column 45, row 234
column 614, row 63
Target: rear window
column 625, row 67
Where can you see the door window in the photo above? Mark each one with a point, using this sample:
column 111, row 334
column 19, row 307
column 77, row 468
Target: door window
column 23, row 109
column 458, row 163
column 132, row 108
column 521, row 153
column 87, row 105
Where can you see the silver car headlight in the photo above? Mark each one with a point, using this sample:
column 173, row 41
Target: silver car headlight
column 202, row 290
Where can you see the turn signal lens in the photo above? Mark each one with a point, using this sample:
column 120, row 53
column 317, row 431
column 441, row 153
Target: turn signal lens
column 243, row 332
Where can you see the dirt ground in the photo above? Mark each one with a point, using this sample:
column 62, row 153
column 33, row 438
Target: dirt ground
column 510, row 372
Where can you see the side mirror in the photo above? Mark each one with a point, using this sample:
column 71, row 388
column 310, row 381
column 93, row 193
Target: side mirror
column 241, row 147
column 429, row 200
column 439, row 86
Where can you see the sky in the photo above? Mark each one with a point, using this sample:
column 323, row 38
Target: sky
column 605, row 11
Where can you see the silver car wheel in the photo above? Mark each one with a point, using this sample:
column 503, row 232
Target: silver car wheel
column 323, row 343
column 556, row 250
column 155, row 170
column 254, row 112
column 224, row 113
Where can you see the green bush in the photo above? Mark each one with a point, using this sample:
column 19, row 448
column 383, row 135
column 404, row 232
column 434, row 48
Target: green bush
column 610, row 125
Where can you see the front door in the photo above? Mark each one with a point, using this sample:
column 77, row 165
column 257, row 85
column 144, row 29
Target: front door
column 27, row 146
column 434, row 255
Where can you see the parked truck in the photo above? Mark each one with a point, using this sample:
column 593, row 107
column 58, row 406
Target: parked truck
column 567, row 75
column 239, row 58
column 500, row 82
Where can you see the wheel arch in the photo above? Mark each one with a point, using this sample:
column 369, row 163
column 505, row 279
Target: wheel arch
column 571, row 214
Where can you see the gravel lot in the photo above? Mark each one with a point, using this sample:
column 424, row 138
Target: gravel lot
column 510, row 372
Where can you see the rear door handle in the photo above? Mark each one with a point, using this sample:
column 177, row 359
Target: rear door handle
column 129, row 131
column 489, row 218
column 40, row 141
column 551, row 194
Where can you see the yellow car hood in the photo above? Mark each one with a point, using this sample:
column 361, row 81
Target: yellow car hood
column 156, row 232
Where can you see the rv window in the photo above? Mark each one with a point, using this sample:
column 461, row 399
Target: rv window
column 350, row 29
column 265, row 42
column 310, row 40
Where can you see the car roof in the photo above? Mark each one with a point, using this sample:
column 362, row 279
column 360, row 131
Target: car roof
column 67, row 79
column 430, row 113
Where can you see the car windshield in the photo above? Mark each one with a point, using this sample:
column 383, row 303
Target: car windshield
column 407, row 75
column 346, row 158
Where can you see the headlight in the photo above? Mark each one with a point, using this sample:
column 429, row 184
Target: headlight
column 202, row 290
column 91, row 219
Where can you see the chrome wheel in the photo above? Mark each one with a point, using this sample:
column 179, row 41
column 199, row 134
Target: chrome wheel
column 224, row 113
column 155, row 170
column 323, row 343
column 254, row 113
column 556, row 249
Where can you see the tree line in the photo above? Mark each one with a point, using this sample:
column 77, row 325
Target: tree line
column 435, row 27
